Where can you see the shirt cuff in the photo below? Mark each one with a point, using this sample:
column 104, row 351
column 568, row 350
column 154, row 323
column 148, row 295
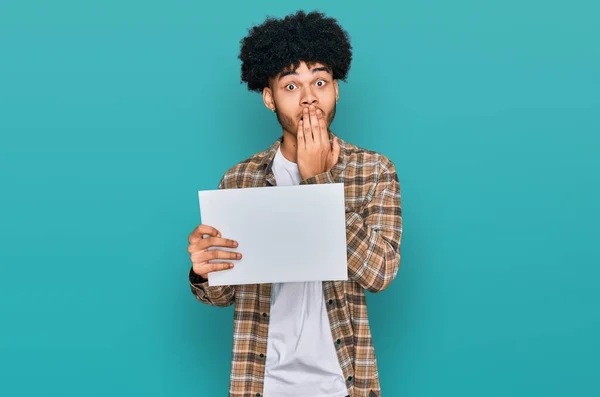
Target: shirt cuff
column 196, row 278
column 324, row 177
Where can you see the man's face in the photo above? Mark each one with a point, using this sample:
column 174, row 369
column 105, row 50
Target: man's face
column 291, row 91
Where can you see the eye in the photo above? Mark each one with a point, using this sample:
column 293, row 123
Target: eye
column 321, row 83
column 290, row 87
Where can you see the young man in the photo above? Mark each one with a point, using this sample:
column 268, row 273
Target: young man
column 307, row 339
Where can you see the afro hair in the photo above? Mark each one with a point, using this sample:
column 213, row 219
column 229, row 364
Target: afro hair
column 279, row 44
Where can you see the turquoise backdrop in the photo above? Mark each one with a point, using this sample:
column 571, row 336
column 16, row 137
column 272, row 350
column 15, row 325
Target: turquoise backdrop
column 114, row 114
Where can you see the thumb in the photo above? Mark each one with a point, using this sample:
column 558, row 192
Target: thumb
column 335, row 151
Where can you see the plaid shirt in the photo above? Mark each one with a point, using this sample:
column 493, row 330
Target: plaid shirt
column 373, row 232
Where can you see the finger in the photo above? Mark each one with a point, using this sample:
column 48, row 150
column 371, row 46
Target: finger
column 314, row 126
column 323, row 128
column 308, row 137
column 200, row 231
column 205, row 243
column 209, row 255
column 206, row 257
column 300, row 136
column 205, row 268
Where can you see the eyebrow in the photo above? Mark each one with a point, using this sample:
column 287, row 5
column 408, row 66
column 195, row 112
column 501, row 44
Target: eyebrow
column 315, row 70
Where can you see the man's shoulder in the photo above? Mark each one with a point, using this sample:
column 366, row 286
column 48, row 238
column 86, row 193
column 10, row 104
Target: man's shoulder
column 357, row 156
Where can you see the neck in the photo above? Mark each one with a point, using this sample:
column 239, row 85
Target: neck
column 289, row 147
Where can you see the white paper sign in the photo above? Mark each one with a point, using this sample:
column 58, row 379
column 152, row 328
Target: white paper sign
column 285, row 233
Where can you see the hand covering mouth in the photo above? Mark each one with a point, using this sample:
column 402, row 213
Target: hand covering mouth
column 301, row 117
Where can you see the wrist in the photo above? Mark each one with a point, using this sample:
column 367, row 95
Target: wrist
column 197, row 278
column 323, row 177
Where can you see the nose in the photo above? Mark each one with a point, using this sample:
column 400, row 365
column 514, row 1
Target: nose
column 308, row 97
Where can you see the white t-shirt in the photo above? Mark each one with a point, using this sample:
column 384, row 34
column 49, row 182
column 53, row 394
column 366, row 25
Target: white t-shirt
column 301, row 358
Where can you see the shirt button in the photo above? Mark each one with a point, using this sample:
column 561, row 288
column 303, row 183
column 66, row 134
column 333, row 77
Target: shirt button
column 262, row 355
column 349, row 379
column 257, row 394
column 331, row 301
column 264, row 314
column 338, row 341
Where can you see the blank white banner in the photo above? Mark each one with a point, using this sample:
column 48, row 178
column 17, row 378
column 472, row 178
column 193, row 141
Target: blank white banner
column 285, row 233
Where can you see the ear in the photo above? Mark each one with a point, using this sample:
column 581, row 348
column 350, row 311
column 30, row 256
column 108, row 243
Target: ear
column 337, row 90
column 268, row 98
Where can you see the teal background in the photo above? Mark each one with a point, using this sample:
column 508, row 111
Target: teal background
column 113, row 115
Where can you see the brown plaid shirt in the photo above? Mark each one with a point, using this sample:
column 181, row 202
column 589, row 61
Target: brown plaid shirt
column 373, row 232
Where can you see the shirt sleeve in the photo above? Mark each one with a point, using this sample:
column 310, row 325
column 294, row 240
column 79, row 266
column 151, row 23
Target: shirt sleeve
column 373, row 235
column 215, row 296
